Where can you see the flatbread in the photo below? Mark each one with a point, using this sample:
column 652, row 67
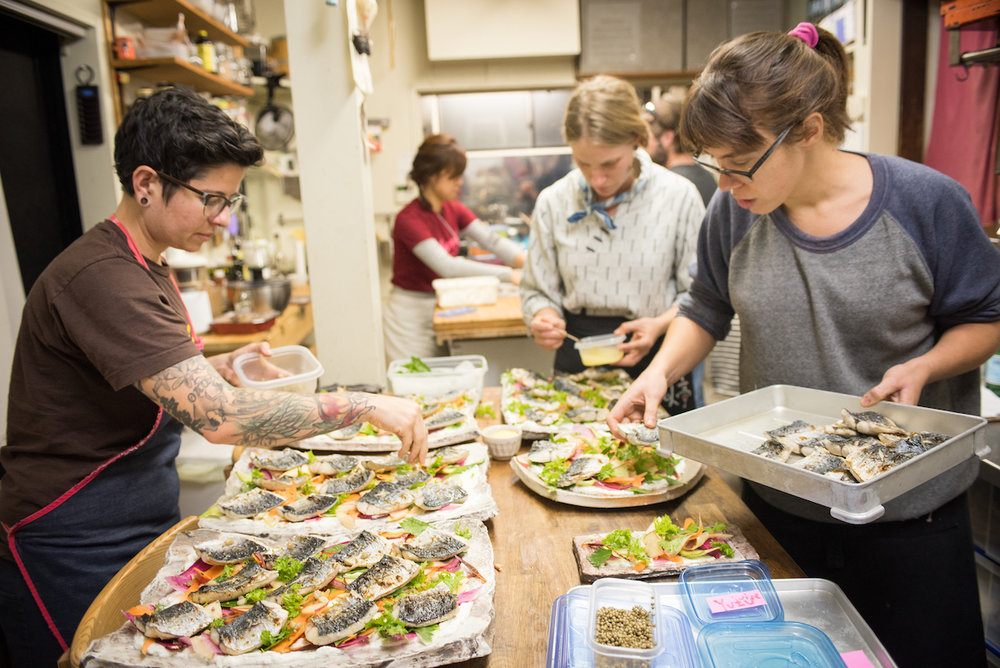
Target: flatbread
column 622, row 568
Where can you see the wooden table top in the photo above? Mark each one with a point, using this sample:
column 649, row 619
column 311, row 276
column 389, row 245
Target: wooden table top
column 533, row 550
column 487, row 321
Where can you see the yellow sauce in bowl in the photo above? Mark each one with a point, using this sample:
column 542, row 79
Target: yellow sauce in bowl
column 502, row 433
column 599, row 355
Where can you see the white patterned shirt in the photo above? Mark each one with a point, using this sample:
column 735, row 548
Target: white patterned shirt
column 640, row 269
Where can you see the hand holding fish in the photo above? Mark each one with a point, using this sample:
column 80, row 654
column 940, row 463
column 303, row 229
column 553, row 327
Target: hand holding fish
column 640, row 401
column 401, row 417
column 548, row 329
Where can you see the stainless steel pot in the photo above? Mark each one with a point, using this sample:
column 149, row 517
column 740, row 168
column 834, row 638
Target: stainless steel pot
column 268, row 295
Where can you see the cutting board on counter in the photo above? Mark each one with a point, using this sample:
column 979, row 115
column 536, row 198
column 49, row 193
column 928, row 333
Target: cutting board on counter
column 486, row 321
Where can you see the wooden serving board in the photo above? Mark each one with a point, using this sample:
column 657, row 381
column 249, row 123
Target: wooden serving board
column 487, row 321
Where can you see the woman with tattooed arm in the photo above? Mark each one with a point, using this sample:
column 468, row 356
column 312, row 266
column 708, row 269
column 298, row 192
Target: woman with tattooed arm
column 107, row 371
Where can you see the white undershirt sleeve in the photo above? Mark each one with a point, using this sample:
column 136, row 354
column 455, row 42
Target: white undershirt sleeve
column 442, row 263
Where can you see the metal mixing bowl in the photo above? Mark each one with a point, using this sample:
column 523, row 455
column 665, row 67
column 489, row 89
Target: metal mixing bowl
column 272, row 294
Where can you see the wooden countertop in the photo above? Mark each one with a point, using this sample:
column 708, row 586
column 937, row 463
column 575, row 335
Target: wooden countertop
column 488, row 321
column 533, row 550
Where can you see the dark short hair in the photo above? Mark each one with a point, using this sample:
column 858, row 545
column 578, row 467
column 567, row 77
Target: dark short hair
column 178, row 132
column 437, row 153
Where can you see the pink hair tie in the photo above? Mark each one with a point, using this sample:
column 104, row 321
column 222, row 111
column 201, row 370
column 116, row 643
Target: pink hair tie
column 807, row 33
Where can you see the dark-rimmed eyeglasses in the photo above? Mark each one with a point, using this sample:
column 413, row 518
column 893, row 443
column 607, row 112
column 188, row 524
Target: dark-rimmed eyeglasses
column 212, row 203
column 746, row 174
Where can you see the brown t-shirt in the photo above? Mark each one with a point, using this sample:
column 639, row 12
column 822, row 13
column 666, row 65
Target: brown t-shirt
column 95, row 322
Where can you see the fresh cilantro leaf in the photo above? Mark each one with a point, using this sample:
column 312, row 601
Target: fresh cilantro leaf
column 724, row 548
column 308, row 488
column 607, row 471
column 311, row 456
column 387, row 625
column 599, row 556
column 553, row 470
column 292, row 601
column 413, row 526
column 426, row 633
column 227, row 572
column 218, row 622
column 623, row 542
column 368, row 429
column 485, row 411
column 463, row 531
column 269, row 640
column 451, row 580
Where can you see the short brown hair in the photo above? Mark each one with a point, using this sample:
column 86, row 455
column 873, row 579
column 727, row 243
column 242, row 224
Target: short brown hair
column 437, row 153
column 767, row 81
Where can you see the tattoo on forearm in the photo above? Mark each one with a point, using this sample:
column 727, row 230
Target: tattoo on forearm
column 194, row 393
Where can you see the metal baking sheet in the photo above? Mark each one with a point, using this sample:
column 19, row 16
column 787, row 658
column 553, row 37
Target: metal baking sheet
column 723, row 434
column 814, row 601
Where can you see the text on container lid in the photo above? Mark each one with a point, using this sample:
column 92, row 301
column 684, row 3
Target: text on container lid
column 738, row 601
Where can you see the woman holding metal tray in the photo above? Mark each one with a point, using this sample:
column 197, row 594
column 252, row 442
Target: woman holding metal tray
column 850, row 272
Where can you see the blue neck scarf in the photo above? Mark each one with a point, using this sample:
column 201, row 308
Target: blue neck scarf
column 599, row 208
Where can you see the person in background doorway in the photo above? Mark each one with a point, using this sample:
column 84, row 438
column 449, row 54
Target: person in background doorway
column 425, row 239
column 851, row 272
column 611, row 242
column 107, row 370
column 664, row 115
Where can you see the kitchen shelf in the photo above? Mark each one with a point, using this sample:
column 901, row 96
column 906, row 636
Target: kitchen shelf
column 163, row 13
column 176, row 70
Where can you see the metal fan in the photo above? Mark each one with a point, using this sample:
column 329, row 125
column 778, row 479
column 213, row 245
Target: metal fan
column 275, row 124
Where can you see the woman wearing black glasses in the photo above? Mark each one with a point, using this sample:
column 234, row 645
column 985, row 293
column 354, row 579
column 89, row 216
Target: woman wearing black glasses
column 850, row 272
column 107, row 371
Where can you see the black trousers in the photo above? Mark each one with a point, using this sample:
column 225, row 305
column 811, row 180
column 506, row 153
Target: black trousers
column 913, row 581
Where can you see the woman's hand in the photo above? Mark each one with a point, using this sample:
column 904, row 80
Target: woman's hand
column 401, row 417
column 644, row 333
column 548, row 329
column 640, row 402
column 224, row 363
column 515, row 276
column 901, row 384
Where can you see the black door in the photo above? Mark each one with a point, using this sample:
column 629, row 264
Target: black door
column 36, row 162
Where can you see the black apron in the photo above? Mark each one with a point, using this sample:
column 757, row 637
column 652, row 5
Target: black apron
column 679, row 397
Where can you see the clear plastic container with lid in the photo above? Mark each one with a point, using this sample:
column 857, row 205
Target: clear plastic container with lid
column 623, row 595
column 288, row 369
column 600, row 349
column 738, row 591
column 729, row 644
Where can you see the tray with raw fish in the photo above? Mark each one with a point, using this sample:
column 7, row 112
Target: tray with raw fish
column 409, row 594
column 662, row 549
column 825, row 447
column 291, row 491
column 449, row 420
column 547, row 405
column 585, row 467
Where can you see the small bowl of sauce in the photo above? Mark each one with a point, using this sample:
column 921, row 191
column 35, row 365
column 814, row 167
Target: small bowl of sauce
column 502, row 440
column 599, row 350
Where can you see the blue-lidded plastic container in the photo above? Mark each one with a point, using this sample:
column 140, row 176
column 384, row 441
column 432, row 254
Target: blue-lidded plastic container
column 766, row 645
column 568, row 640
column 739, row 591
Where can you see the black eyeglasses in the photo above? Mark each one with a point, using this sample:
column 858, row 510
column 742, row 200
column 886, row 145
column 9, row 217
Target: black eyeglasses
column 212, row 203
column 747, row 174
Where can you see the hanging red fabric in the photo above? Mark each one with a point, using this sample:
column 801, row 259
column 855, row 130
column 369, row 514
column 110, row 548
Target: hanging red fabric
column 964, row 132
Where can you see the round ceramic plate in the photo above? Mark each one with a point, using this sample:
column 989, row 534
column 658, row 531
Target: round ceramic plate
column 689, row 472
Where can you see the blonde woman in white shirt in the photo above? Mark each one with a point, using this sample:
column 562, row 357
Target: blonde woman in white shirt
column 612, row 242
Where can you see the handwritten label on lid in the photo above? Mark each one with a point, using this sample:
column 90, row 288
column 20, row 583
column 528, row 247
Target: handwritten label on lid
column 738, row 601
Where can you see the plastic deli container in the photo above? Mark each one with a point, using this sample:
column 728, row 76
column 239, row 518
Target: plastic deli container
column 301, row 368
column 623, row 595
column 466, row 291
column 601, row 349
column 738, row 591
column 447, row 375
column 767, row 644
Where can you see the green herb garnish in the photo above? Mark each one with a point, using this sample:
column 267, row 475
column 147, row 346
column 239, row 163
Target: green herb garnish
column 599, row 556
column 287, row 567
column 269, row 640
column 413, row 526
column 255, row 595
column 416, row 365
column 485, row 411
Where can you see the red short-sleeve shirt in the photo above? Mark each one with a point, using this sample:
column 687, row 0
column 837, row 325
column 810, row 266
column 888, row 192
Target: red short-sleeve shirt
column 416, row 223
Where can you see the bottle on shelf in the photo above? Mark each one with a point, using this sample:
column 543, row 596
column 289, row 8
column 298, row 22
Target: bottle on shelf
column 206, row 51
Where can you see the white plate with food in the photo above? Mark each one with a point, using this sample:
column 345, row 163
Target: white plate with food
column 596, row 470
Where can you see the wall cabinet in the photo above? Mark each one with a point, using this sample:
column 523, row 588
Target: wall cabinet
column 162, row 14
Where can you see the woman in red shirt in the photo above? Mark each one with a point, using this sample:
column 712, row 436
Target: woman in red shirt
column 426, row 241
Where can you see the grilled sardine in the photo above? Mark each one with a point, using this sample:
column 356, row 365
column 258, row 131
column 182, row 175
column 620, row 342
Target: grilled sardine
column 314, row 574
column 299, row 548
column 243, row 634
column 384, row 498
column 426, row 607
column 439, row 494
column 363, row 551
column 433, row 545
column 870, row 422
column 311, row 506
column 450, row 454
column 250, row 503
column 387, row 575
column 333, row 464
column 278, row 460
column 346, row 433
column 773, row 450
column 178, row 621
column 637, row 433
column 347, row 616
column 582, row 468
column 544, row 451
column 250, row 577
column 357, row 479
column 228, row 549
column 446, row 417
